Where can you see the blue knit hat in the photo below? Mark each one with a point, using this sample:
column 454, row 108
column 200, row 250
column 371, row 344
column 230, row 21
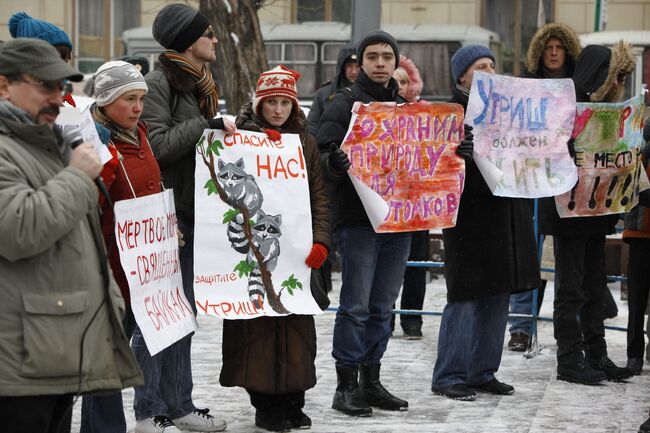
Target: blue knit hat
column 22, row 25
column 465, row 57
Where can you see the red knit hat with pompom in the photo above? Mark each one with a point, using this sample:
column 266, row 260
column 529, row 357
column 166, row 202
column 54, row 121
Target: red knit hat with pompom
column 279, row 81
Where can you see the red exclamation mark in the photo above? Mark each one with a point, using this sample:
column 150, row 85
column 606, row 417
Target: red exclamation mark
column 302, row 161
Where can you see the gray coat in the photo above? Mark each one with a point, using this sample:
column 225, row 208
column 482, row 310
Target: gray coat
column 175, row 123
column 51, row 283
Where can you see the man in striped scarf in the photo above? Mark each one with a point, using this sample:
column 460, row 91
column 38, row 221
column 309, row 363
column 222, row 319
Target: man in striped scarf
column 181, row 103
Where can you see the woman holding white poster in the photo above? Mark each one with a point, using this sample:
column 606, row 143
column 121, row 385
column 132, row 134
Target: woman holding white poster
column 273, row 357
column 119, row 91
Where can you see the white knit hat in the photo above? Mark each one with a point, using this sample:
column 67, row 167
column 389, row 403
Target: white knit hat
column 113, row 79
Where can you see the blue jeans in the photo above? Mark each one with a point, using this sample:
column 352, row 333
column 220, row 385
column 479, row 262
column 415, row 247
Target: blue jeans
column 105, row 413
column 521, row 303
column 470, row 342
column 167, row 388
column 372, row 267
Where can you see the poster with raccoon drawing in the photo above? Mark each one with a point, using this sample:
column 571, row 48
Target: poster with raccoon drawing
column 252, row 226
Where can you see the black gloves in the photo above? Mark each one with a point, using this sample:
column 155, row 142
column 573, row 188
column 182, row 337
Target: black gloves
column 216, row 123
column 571, row 145
column 466, row 147
column 338, row 159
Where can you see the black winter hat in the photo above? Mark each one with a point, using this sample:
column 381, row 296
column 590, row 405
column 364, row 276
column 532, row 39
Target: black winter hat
column 378, row 36
column 591, row 69
column 177, row 26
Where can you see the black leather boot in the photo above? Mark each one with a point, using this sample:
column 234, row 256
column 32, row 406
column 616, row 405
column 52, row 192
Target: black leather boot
column 372, row 391
column 611, row 370
column 346, row 398
column 578, row 371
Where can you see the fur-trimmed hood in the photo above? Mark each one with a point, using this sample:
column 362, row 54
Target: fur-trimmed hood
column 177, row 78
column 249, row 121
column 569, row 39
column 415, row 80
column 621, row 62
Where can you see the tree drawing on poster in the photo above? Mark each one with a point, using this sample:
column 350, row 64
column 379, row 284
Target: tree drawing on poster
column 521, row 129
column 241, row 170
column 404, row 164
column 608, row 143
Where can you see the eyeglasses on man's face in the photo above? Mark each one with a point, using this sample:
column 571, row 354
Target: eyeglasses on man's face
column 209, row 34
column 64, row 87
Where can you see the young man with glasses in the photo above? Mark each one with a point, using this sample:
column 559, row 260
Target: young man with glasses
column 181, row 103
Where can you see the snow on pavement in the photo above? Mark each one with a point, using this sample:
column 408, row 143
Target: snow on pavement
column 540, row 402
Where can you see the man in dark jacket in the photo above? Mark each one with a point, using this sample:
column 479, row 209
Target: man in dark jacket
column 347, row 69
column 372, row 263
column 579, row 243
column 489, row 254
column 181, row 103
column 552, row 53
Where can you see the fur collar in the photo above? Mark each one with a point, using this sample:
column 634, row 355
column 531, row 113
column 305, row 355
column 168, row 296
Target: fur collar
column 621, row 62
column 177, row 78
column 538, row 43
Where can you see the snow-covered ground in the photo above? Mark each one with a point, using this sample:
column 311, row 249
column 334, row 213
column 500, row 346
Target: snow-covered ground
column 540, row 403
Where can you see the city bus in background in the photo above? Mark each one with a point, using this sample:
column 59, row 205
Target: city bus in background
column 640, row 41
column 311, row 48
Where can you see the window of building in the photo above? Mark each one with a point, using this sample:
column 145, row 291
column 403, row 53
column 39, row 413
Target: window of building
column 299, row 56
column 432, row 60
column 92, row 48
column 323, row 10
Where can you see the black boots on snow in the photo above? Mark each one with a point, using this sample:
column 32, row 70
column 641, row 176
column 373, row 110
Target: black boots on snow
column 346, row 397
column 374, row 393
column 578, row 371
column 611, row 370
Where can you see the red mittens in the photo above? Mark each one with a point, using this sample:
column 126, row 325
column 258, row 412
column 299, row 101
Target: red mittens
column 316, row 256
column 273, row 134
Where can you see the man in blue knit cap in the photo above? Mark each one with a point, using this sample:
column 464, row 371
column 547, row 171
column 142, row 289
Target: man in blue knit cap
column 470, row 341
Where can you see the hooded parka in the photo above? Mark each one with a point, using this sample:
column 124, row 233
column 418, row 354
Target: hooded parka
column 325, row 94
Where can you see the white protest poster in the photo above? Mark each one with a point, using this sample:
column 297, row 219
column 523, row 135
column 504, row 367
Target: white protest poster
column 147, row 239
column 70, row 116
column 253, row 227
column 521, row 128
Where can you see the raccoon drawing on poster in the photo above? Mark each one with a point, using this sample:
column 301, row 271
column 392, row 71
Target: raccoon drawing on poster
column 266, row 233
column 242, row 192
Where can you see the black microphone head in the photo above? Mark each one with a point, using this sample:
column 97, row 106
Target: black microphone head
column 71, row 136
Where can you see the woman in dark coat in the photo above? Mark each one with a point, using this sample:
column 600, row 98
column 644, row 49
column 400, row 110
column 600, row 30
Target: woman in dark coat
column 273, row 357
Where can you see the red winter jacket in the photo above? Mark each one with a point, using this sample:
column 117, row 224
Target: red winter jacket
column 143, row 172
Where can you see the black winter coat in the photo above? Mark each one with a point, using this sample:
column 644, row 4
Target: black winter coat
column 347, row 209
column 492, row 248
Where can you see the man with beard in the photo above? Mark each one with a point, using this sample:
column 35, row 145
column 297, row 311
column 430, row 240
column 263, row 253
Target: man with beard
column 60, row 308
